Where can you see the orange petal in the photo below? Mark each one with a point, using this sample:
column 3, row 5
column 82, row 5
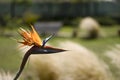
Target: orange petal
column 24, row 33
column 35, row 37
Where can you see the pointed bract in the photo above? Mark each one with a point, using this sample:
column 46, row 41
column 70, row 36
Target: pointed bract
column 35, row 37
column 30, row 37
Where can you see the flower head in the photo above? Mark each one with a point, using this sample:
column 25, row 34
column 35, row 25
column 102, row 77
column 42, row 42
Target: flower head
column 30, row 37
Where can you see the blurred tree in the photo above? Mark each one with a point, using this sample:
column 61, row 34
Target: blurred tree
column 59, row 1
column 12, row 8
column 72, row 1
column 14, row 3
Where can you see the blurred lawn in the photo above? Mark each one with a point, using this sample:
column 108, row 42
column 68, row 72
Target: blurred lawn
column 97, row 45
column 10, row 58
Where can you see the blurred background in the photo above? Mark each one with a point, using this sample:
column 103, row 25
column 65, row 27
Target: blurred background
column 91, row 24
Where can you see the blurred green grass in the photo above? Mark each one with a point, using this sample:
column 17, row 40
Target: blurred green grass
column 97, row 45
column 10, row 56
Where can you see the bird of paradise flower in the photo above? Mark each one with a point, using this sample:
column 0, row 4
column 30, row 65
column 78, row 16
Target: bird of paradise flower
column 31, row 38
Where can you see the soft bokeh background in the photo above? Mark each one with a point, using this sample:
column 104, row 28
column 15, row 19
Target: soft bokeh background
column 89, row 29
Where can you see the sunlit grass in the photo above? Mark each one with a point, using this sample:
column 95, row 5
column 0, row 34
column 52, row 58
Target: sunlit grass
column 10, row 58
column 76, row 64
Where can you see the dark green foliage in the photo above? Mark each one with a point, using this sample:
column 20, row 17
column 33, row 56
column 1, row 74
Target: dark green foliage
column 106, row 20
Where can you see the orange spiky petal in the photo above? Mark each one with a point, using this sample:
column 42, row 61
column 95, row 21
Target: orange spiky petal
column 30, row 37
column 35, row 37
